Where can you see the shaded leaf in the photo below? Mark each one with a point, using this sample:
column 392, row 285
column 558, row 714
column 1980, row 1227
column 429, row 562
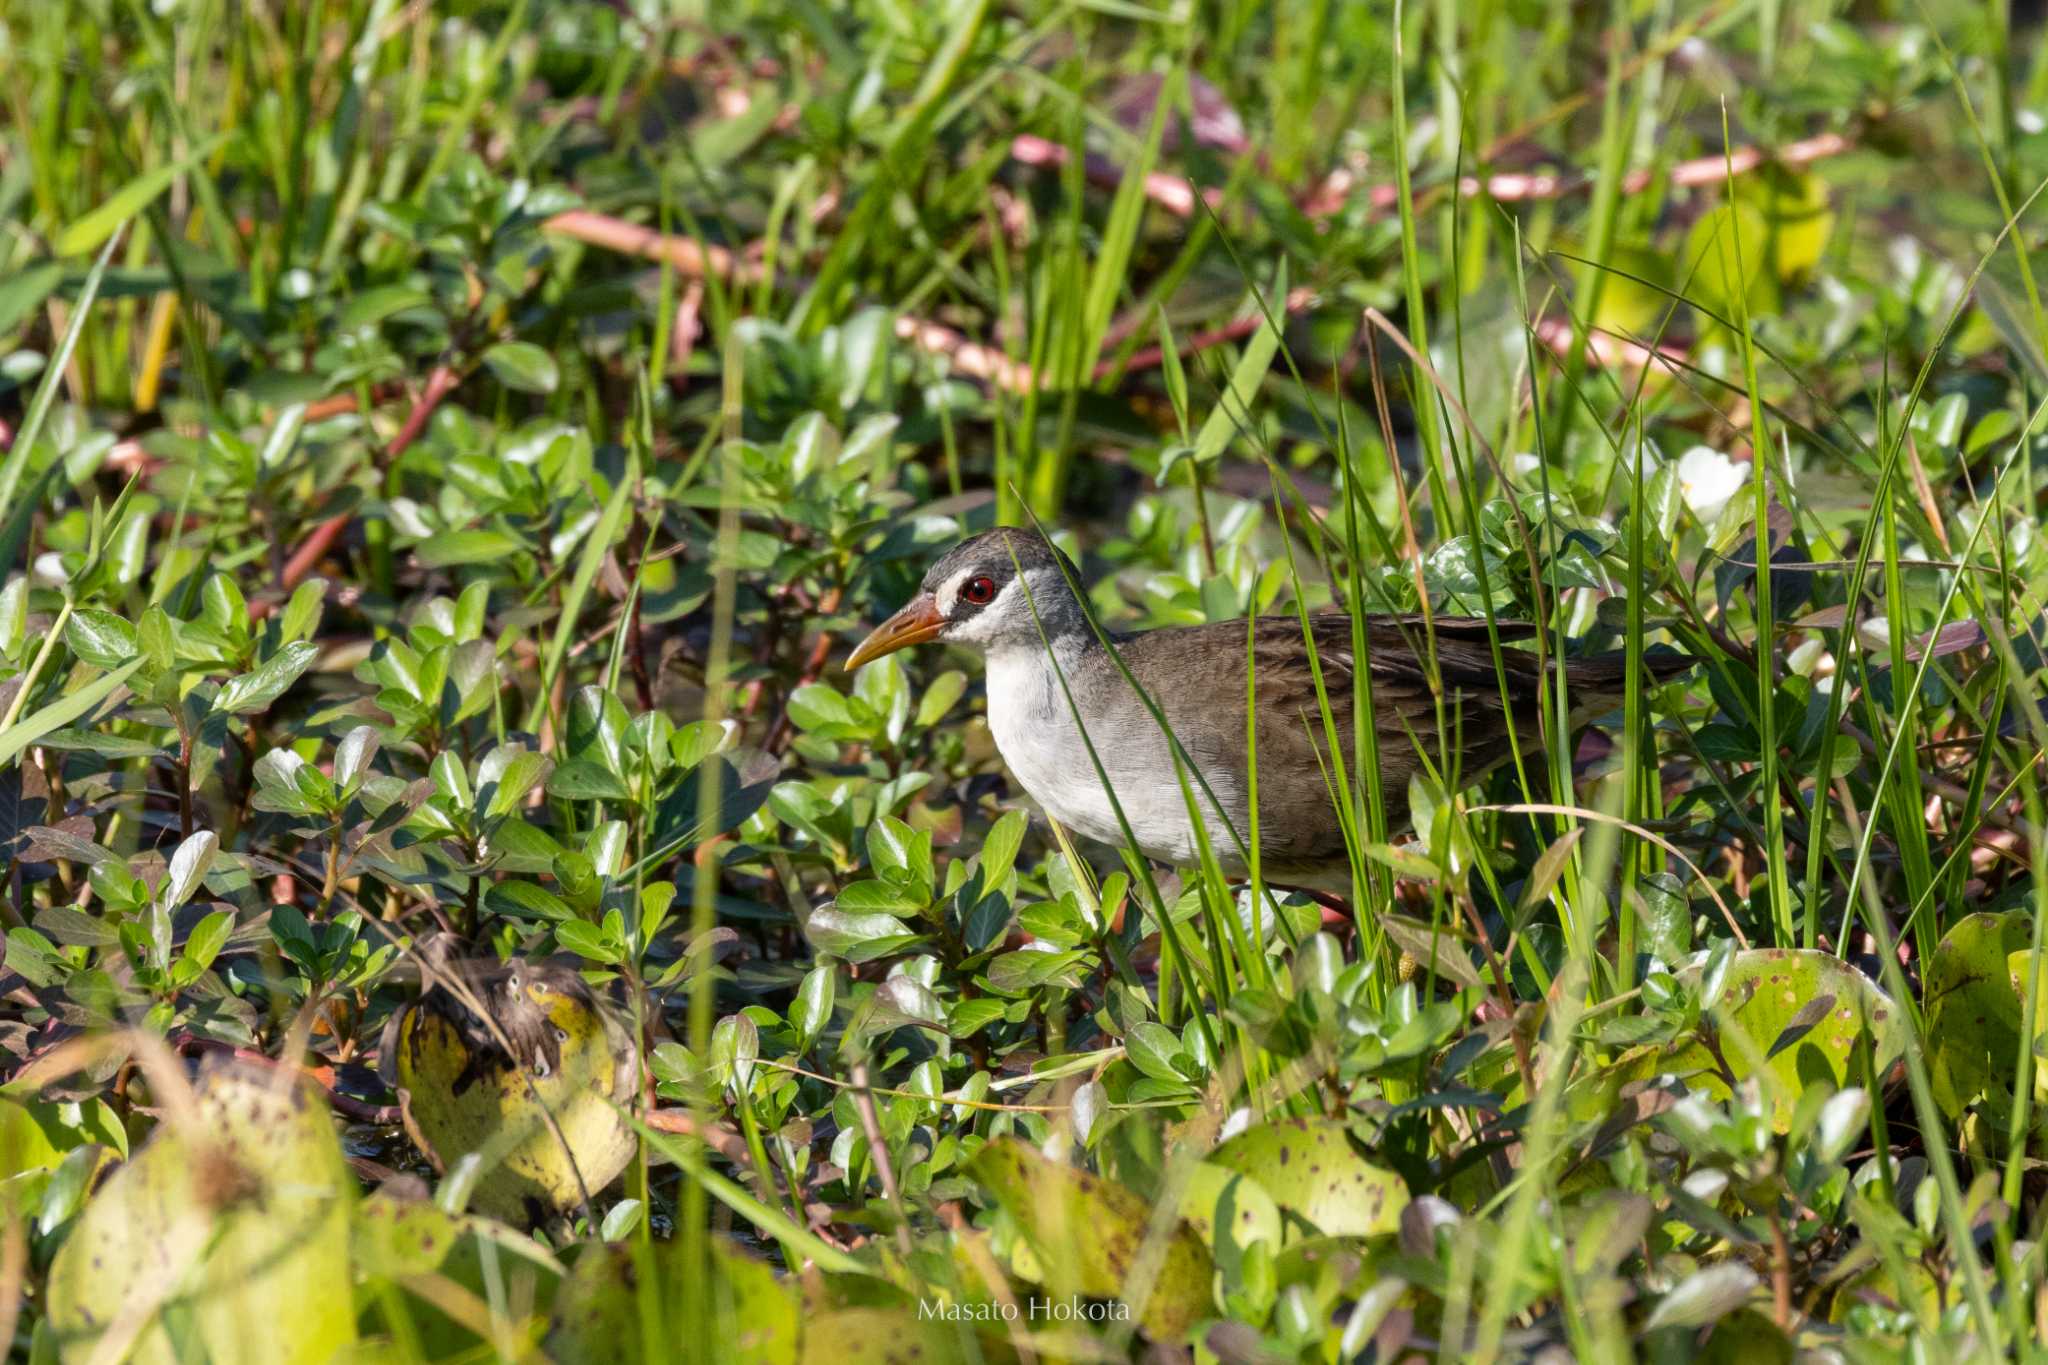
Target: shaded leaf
column 1976, row 1002
column 1704, row 1296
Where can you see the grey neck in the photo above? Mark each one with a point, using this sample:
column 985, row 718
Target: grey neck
column 1060, row 618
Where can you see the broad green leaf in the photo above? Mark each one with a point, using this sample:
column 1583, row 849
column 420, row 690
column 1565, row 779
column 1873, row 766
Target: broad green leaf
column 222, row 605
column 1028, row 969
column 902, row 855
column 1152, row 1048
column 277, row 783
column 1976, row 996
column 606, row 848
column 525, row 900
column 352, row 756
column 586, row 940
column 857, row 938
column 820, row 706
column 239, row 1219
column 999, row 849
column 878, row 897
column 454, row 548
column 257, row 690
column 901, row 1000
column 101, row 638
column 597, row 728
column 188, row 867
column 938, row 699
column 581, row 780
column 812, row 1008
column 510, row 774
column 205, row 941
column 523, row 366
column 372, row 306
column 969, row 1017
column 735, row 1047
column 301, row 615
column 157, row 639
column 1793, row 1016
column 451, row 779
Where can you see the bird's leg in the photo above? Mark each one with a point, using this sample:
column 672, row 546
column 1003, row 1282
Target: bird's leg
column 1336, row 909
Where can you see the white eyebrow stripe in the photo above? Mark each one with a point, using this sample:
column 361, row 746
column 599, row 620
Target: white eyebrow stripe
column 949, row 591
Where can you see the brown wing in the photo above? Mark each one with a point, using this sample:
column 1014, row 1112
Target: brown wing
column 1297, row 819
column 1405, row 709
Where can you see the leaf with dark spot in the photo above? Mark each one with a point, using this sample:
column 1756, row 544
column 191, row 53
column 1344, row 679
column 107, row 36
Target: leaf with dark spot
column 1772, row 1023
column 1802, row 1023
column 1096, row 1238
column 1311, row 1169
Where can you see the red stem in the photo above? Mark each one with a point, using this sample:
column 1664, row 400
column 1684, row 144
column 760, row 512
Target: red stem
column 321, row 538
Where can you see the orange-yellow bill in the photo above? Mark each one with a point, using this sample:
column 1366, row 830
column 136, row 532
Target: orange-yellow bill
column 917, row 622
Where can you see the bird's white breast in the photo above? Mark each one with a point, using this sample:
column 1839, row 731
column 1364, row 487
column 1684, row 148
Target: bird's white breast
column 1034, row 728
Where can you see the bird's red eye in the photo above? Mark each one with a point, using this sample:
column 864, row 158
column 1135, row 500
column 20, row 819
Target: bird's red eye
column 980, row 590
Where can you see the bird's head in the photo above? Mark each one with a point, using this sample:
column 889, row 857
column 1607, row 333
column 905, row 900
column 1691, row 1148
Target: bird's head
column 983, row 592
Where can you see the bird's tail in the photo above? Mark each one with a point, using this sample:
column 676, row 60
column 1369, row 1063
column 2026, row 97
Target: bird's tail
column 1599, row 684
column 1609, row 672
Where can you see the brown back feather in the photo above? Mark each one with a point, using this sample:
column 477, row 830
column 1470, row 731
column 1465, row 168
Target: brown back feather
column 1298, row 823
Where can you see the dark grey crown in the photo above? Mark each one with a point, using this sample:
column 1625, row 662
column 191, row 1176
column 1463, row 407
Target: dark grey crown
column 991, row 552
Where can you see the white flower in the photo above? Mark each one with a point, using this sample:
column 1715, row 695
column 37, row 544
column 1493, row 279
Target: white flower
column 1707, row 479
column 1806, row 657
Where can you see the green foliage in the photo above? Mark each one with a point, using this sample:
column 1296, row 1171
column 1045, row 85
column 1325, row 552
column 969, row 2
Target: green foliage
column 443, row 453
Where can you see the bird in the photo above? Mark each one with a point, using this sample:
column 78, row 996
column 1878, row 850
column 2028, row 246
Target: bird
column 521, row 1063
column 1011, row 593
